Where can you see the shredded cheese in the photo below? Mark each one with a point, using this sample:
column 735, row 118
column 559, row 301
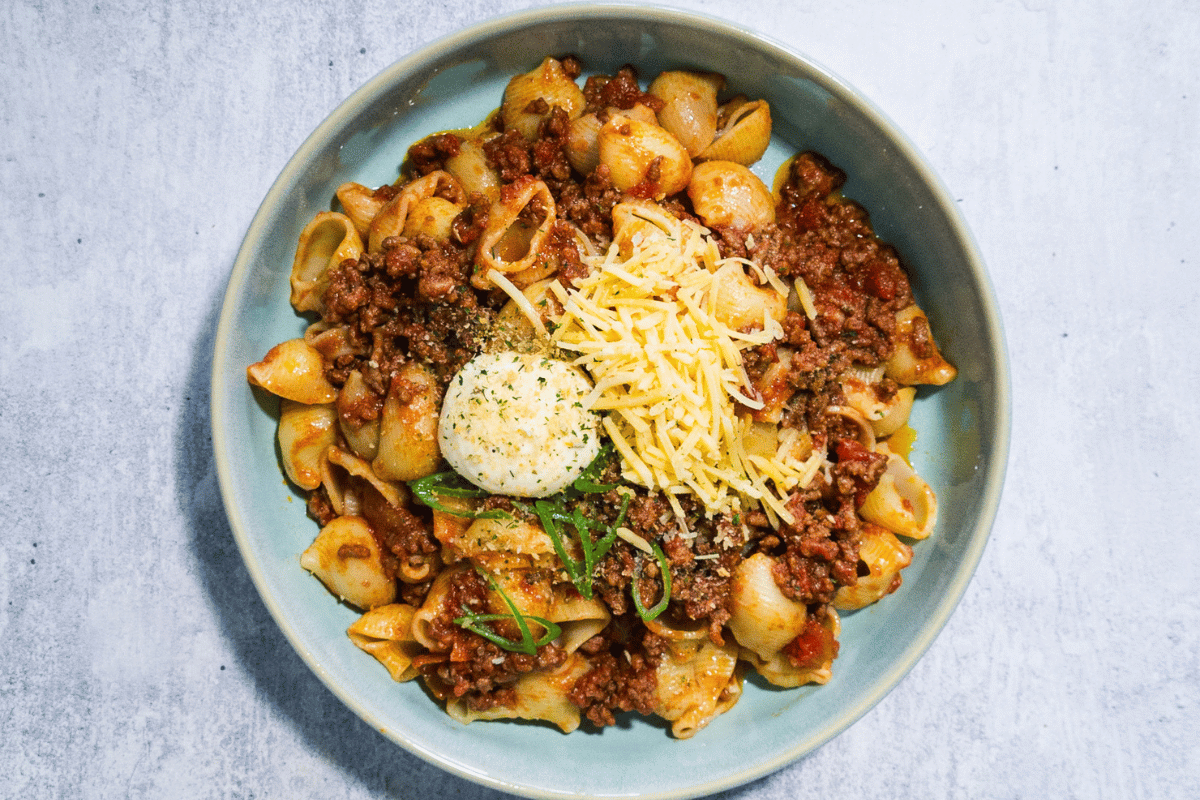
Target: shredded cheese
column 668, row 370
column 522, row 302
column 635, row 540
column 804, row 294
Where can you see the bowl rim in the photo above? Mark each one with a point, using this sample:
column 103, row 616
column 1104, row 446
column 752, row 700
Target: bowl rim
column 995, row 464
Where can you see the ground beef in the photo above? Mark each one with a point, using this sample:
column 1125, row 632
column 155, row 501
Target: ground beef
column 431, row 153
column 402, row 535
column 857, row 470
column 412, row 301
column 319, row 507
column 814, row 646
column 620, row 91
column 548, row 153
column 857, row 282
column 818, row 552
column 572, row 67
column 589, row 205
column 509, row 153
column 624, row 659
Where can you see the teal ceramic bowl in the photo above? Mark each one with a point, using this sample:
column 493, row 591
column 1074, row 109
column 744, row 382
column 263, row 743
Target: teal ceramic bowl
column 962, row 449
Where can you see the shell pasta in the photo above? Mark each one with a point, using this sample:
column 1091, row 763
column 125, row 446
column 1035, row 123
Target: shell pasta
column 590, row 419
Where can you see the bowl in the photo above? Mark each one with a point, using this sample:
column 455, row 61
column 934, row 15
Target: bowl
column 961, row 451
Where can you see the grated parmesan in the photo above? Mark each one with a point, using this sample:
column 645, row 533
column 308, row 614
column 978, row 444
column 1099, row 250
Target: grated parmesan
column 804, row 295
column 669, row 372
column 522, row 302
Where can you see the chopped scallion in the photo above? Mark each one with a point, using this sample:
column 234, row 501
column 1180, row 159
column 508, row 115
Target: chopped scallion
column 476, row 623
column 451, row 484
column 649, row 614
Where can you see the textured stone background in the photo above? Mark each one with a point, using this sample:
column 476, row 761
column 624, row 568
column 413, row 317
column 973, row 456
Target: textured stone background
column 138, row 139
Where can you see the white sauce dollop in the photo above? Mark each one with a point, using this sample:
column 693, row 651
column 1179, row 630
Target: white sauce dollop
column 515, row 424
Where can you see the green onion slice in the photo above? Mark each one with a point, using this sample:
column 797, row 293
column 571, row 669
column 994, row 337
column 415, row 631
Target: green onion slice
column 557, row 513
column 528, row 645
column 586, row 482
column 451, row 484
column 649, row 614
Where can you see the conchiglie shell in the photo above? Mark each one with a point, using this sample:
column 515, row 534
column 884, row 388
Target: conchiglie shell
column 896, row 412
column 416, row 573
column 690, row 110
column 471, row 169
column 340, row 491
column 328, row 240
column 549, row 83
column 761, row 618
column 529, row 591
column 393, row 621
column 450, row 528
column 434, row 605
column 902, row 502
column 727, row 193
column 745, row 137
column 331, row 342
column 504, row 535
column 634, row 220
column 394, row 493
column 628, row 147
column 347, row 559
column 361, row 434
column 513, row 330
column 541, row 269
column 583, row 143
column 740, row 303
column 677, row 632
column 780, row 671
column 761, row 439
column 543, row 696
column 408, row 443
column 293, row 370
column 392, row 218
column 775, row 388
column 693, row 685
column 397, row 657
column 431, row 216
column 576, row 632
column 583, row 136
column 500, row 562
column 905, row 366
column 361, row 204
column 885, row 556
column 886, row 416
column 639, row 111
column 508, row 243
column 386, row 633
column 768, row 440
column 866, row 433
column 305, row 433
column 579, row 617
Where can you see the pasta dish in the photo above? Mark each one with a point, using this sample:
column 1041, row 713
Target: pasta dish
column 590, row 418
